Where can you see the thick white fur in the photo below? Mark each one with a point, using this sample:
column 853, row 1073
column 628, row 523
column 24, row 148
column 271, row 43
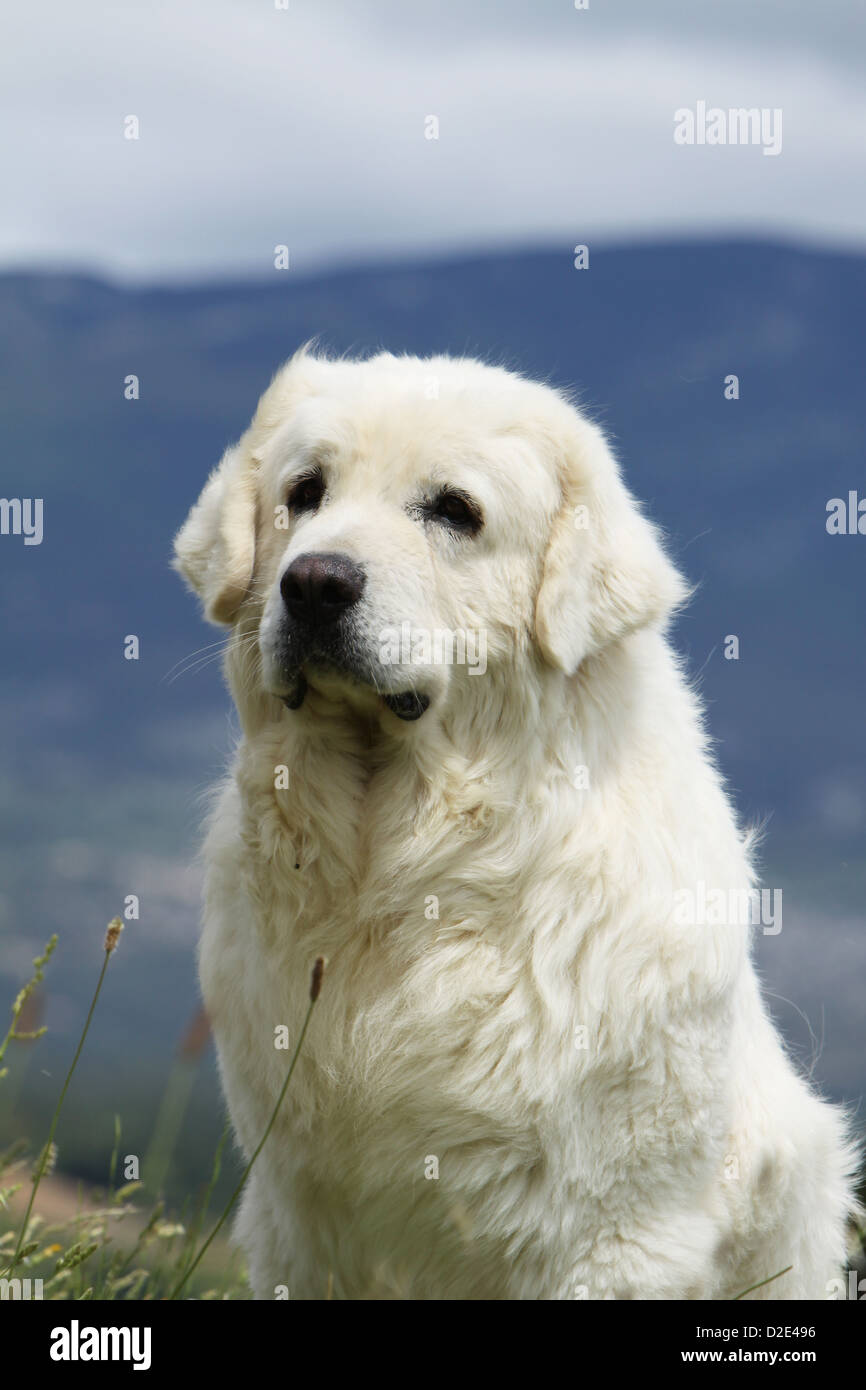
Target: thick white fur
column 669, row 1149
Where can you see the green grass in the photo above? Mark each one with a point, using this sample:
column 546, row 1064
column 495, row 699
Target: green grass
column 121, row 1243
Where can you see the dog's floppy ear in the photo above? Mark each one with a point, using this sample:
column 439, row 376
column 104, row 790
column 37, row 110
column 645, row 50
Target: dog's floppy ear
column 215, row 548
column 605, row 573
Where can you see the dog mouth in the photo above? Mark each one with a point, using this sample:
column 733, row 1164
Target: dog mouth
column 408, row 705
column 335, row 666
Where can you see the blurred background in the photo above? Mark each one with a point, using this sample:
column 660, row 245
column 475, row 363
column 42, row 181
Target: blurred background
column 430, row 171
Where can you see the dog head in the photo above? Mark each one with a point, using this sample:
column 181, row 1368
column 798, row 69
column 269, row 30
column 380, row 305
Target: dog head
column 394, row 530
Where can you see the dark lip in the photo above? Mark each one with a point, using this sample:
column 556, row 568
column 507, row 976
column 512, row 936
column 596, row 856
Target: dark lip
column 294, row 696
column 302, row 653
column 408, row 705
column 328, row 651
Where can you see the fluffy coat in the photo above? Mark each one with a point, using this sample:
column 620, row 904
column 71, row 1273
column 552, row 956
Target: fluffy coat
column 526, row 1077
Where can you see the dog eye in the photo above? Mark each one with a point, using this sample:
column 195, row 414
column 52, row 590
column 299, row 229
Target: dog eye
column 457, row 510
column 307, row 492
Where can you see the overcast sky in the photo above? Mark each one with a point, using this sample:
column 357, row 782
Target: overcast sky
column 306, row 126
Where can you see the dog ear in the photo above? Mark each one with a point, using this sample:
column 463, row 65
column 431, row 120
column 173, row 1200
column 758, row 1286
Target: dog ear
column 605, row 573
column 215, row 548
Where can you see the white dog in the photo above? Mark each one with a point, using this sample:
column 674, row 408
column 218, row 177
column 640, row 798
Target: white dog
column 473, row 776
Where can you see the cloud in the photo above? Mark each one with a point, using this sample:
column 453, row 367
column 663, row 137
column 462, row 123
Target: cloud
column 306, row 127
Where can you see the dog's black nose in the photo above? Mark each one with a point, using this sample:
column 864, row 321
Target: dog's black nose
column 317, row 589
